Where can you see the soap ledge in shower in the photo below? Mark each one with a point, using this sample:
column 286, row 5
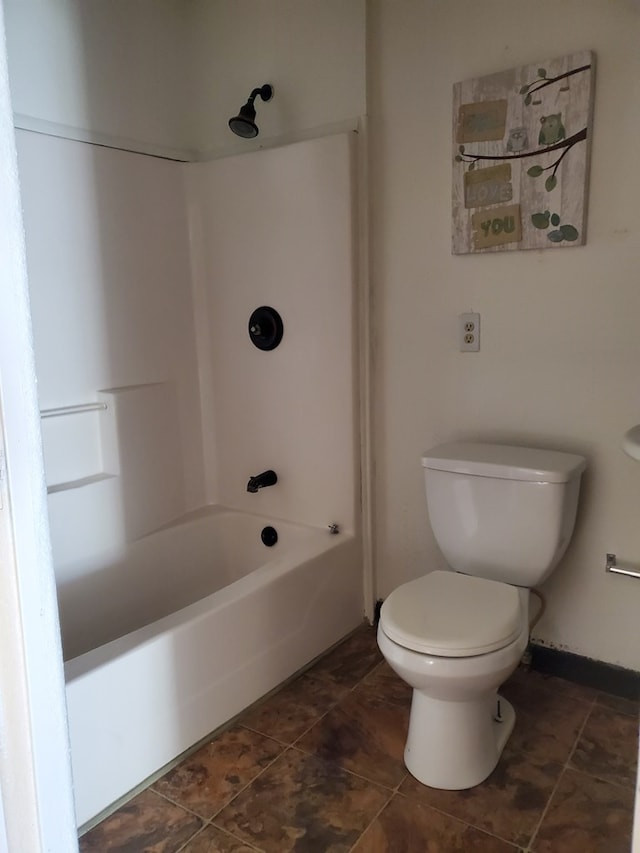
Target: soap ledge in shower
column 80, row 483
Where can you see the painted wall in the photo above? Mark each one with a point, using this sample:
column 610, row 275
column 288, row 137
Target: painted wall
column 36, row 813
column 169, row 73
column 276, row 228
column 311, row 51
column 116, row 68
column 560, row 351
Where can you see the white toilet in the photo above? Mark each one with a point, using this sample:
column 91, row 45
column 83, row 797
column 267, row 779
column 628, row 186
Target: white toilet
column 503, row 517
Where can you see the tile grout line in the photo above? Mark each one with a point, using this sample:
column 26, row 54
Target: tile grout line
column 306, row 731
column 209, row 821
column 336, row 703
column 567, row 764
column 283, row 743
column 565, row 767
column 392, row 794
column 209, row 824
column 175, row 803
column 373, row 820
column 348, row 772
column 322, row 682
column 205, row 821
column 625, row 787
column 467, row 823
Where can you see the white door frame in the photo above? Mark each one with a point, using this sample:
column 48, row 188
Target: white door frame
column 36, row 808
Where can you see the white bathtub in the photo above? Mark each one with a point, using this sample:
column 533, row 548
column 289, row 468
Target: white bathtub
column 190, row 626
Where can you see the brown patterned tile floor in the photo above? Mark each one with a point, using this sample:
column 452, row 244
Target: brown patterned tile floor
column 547, row 720
column 509, row 804
column 303, row 803
column 317, row 768
column 607, row 746
column 294, row 709
column 365, row 734
column 408, row 827
column 147, row 823
column 586, row 815
column 213, row 775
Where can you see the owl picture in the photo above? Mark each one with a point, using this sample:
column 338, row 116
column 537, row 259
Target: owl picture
column 552, row 129
column 518, row 139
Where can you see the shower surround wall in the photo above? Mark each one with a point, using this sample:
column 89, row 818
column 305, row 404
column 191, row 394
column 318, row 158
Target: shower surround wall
column 275, row 227
column 109, row 268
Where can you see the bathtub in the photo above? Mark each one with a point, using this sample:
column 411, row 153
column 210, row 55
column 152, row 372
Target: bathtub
column 186, row 629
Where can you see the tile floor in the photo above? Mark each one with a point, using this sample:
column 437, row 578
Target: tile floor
column 317, row 768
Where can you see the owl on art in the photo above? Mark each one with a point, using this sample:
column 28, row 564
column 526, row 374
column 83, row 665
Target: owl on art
column 552, row 129
column 518, row 139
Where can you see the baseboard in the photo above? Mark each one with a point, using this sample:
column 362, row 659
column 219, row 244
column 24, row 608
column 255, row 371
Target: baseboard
column 582, row 670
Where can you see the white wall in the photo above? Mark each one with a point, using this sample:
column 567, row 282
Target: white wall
column 171, row 74
column 311, row 51
column 35, row 773
column 117, row 68
column 560, row 350
column 276, row 228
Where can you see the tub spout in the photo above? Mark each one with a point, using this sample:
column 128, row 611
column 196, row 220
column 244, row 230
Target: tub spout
column 260, row 481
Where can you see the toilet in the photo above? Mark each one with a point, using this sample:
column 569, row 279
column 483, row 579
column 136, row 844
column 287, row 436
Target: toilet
column 503, row 517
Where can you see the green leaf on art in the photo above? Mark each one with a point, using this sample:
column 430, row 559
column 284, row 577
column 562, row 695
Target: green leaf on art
column 569, row 232
column 555, row 220
column 527, row 100
column 556, row 236
column 550, row 183
column 458, row 158
column 540, row 220
column 461, row 149
column 534, row 171
column 471, row 167
column 542, row 72
column 524, row 90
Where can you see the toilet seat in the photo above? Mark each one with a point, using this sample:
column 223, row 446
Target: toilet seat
column 448, row 614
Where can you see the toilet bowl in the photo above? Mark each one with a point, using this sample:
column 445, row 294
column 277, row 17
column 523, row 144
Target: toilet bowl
column 459, row 724
column 503, row 517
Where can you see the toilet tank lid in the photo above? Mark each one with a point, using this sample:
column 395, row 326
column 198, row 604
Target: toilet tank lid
column 505, row 462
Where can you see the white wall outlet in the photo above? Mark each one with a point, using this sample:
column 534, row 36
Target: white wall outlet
column 469, row 332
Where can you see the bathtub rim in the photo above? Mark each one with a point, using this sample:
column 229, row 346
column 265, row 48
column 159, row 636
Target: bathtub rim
column 269, row 571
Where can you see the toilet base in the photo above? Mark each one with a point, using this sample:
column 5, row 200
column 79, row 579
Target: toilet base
column 456, row 745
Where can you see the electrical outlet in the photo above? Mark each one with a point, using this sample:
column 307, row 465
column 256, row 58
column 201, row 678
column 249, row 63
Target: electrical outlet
column 469, row 332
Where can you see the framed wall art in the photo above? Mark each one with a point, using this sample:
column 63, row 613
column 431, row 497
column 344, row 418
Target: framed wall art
column 521, row 143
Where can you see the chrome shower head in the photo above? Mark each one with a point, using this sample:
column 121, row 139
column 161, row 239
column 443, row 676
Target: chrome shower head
column 244, row 123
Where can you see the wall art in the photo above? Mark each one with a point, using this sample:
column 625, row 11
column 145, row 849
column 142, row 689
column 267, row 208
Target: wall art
column 521, row 143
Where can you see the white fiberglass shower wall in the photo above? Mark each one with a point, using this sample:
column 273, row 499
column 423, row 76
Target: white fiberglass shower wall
column 276, row 228
column 144, row 307
column 108, row 263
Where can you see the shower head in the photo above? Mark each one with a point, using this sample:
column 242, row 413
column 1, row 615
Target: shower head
column 244, row 123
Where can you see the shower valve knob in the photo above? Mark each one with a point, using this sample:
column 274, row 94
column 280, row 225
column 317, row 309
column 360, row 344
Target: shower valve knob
column 265, row 328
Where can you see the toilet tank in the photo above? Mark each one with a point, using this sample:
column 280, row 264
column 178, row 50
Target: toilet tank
column 501, row 512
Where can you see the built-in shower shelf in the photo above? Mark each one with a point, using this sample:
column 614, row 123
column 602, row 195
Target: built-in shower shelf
column 79, row 484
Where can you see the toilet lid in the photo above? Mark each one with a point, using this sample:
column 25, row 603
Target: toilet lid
column 452, row 615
